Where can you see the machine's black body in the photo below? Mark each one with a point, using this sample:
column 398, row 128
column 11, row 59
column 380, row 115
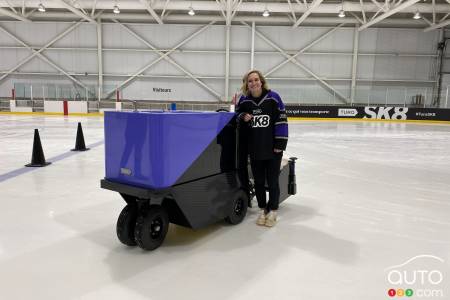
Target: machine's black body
column 207, row 192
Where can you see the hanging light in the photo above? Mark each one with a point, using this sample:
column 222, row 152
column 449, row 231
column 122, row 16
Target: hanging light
column 341, row 13
column 116, row 9
column 266, row 13
column 417, row 15
column 41, row 7
column 191, row 11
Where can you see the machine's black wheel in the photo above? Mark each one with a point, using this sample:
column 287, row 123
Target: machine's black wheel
column 151, row 227
column 238, row 208
column 126, row 223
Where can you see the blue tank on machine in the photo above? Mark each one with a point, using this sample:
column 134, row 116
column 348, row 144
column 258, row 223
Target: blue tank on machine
column 153, row 149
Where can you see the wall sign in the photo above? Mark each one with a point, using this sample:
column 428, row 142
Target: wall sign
column 161, row 90
column 369, row 112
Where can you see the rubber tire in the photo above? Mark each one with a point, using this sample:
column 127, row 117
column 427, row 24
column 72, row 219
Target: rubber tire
column 145, row 227
column 238, row 208
column 126, row 223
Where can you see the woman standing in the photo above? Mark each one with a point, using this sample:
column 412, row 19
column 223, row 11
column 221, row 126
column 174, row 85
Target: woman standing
column 263, row 111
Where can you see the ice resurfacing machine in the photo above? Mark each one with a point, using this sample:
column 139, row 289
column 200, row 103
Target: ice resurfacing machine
column 176, row 167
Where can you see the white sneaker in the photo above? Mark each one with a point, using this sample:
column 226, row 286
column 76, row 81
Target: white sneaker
column 261, row 218
column 271, row 219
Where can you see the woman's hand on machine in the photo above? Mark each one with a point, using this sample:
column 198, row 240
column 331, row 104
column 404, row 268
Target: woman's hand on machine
column 246, row 117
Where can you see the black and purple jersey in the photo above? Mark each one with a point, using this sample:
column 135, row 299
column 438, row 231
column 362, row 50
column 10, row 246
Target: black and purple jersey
column 268, row 129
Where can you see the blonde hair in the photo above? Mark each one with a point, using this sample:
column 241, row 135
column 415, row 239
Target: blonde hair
column 244, row 87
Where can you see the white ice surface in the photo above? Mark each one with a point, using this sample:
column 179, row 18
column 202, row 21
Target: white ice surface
column 370, row 196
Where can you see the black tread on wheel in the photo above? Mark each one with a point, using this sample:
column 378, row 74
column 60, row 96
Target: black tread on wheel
column 151, row 227
column 238, row 208
column 126, row 223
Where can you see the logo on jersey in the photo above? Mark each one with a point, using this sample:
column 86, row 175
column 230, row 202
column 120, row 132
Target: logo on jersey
column 260, row 121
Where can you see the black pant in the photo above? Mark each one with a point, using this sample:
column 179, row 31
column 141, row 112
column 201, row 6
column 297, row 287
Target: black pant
column 267, row 170
column 243, row 158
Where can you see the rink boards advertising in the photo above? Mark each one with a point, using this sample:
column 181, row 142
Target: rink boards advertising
column 369, row 112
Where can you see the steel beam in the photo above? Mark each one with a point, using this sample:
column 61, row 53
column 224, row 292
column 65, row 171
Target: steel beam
column 8, row 13
column 298, row 64
column 381, row 7
column 59, row 36
column 357, row 18
column 365, row 80
column 303, row 49
column 222, row 8
column 164, row 9
column 354, row 63
column 211, row 6
column 75, row 11
column 434, row 11
column 93, row 8
column 151, row 11
column 235, row 8
column 177, row 18
column 28, row 14
column 444, row 17
column 252, row 51
column 165, row 56
column 100, row 58
column 426, row 21
column 227, row 60
column 436, row 26
column 42, row 57
column 228, row 12
column 363, row 12
column 311, row 7
column 294, row 17
column 12, row 7
column 388, row 13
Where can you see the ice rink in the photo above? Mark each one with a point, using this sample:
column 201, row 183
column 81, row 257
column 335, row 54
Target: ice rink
column 371, row 196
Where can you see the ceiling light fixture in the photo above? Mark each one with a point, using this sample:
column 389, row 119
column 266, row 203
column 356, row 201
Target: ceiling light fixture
column 41, row 7
column 417, row 15
column 341, row 13
column 116, row 9
column 191, row 11
column 266, row 12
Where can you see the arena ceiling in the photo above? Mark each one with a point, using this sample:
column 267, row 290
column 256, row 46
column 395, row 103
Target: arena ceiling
column 428, row 14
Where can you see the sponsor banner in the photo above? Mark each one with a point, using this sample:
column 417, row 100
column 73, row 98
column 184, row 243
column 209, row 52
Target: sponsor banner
column 369, row 112
column 347, row 112
column 438, row 114
column 311, row 111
